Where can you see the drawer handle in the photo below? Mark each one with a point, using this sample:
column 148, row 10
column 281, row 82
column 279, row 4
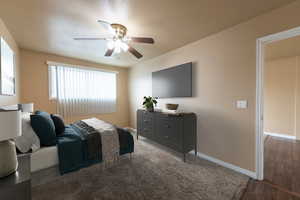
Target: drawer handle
column 146, row 121
column 168, row 126
column 166, row 137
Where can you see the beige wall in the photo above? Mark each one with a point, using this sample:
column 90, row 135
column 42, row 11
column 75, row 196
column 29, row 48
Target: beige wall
column 34, row 84
column 224, row 71
column 283, row 48
column 4, row 32
column 280, row 92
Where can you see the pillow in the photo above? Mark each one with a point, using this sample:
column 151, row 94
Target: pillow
column 43, row 126
column 28, row 140
column 58, row 123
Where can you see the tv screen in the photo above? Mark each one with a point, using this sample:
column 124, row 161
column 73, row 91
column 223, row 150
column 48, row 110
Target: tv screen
column 173, row 82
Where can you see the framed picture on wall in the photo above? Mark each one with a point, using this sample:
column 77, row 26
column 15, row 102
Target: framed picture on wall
column 7, row 70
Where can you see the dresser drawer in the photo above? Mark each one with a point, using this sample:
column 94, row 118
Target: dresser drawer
column 139, row 121
column 178, row 132
column 169, row 130
column 147, row 122
column 148, row 116
column 147, row 132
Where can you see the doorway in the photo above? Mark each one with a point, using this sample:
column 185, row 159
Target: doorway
column 286, row 130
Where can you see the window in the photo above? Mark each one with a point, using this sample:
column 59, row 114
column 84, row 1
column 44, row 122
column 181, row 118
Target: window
column 52, row 82
column 82, row 91
column 7, row 69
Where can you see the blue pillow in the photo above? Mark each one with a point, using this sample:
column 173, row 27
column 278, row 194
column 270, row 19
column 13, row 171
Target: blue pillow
column 58, row 123
column 43, row 126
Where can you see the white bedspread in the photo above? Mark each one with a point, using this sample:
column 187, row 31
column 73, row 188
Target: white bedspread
column 109, row 139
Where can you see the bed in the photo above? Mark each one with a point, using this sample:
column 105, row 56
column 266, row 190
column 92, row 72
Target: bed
column 64, row 153
column 47, row 157
column 82, row 143
column 44, row 158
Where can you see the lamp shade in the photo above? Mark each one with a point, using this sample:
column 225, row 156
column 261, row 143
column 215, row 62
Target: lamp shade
column 10, row 124
column 26, row 107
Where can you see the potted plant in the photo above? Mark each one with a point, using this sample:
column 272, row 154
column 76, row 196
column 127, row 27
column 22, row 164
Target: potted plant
column 149, row 103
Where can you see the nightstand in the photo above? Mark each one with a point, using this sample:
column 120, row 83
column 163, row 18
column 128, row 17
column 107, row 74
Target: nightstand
column 17, row 186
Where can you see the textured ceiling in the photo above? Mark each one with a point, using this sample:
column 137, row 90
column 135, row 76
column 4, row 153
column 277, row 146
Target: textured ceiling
column 50, row 25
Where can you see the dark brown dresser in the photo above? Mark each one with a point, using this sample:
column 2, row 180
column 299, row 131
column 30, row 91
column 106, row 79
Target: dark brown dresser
column 18, row 185
column 176, row 131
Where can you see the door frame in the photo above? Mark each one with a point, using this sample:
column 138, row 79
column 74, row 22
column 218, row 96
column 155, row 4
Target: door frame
column 260, row 44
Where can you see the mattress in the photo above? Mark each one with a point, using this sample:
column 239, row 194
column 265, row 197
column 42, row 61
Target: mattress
column 44, row 158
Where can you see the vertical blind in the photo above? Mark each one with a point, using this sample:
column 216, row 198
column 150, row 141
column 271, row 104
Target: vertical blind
column 80, row 91
column 7, row 86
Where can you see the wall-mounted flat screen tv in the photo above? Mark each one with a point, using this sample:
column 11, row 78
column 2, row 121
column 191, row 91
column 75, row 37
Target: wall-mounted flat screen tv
column 173, row 82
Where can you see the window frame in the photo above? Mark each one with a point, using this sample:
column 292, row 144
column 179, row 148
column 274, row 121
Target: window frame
column 13, row 68
column 52, row 65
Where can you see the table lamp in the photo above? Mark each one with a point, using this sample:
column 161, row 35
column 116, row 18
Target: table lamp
column 10, row 128
column 26, row 107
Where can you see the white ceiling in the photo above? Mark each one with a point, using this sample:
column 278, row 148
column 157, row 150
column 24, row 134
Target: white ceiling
column 50, row 25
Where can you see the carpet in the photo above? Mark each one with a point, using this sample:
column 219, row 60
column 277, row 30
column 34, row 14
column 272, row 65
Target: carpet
column 153, row 173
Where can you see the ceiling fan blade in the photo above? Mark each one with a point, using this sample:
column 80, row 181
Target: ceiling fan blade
column 107, row 26
column 103, row 22
column 135, row 52
column 142, row 40
column 90, row 38
column 109, row 52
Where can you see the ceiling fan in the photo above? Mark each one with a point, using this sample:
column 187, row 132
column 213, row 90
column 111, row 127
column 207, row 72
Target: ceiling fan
column 119, row 41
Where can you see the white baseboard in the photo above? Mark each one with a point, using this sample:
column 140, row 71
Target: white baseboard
column 281, row 135
column 227, row 165
column 222, row 163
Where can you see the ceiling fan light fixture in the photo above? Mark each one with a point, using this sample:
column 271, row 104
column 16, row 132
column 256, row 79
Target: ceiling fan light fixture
column 119, row 41
column 110, row 44
column 118, row 44
column 118, row 49
column 124, row 46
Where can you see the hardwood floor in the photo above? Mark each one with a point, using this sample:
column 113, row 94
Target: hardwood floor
column 282, row 172
column 259, row 190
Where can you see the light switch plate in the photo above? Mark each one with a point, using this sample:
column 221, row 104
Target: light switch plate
column 242, row 104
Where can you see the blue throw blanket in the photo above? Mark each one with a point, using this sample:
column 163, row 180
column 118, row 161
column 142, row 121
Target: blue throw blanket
column 78, row 148
column 73, row 150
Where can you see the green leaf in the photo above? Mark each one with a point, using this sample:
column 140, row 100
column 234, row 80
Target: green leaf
column 149, row 101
